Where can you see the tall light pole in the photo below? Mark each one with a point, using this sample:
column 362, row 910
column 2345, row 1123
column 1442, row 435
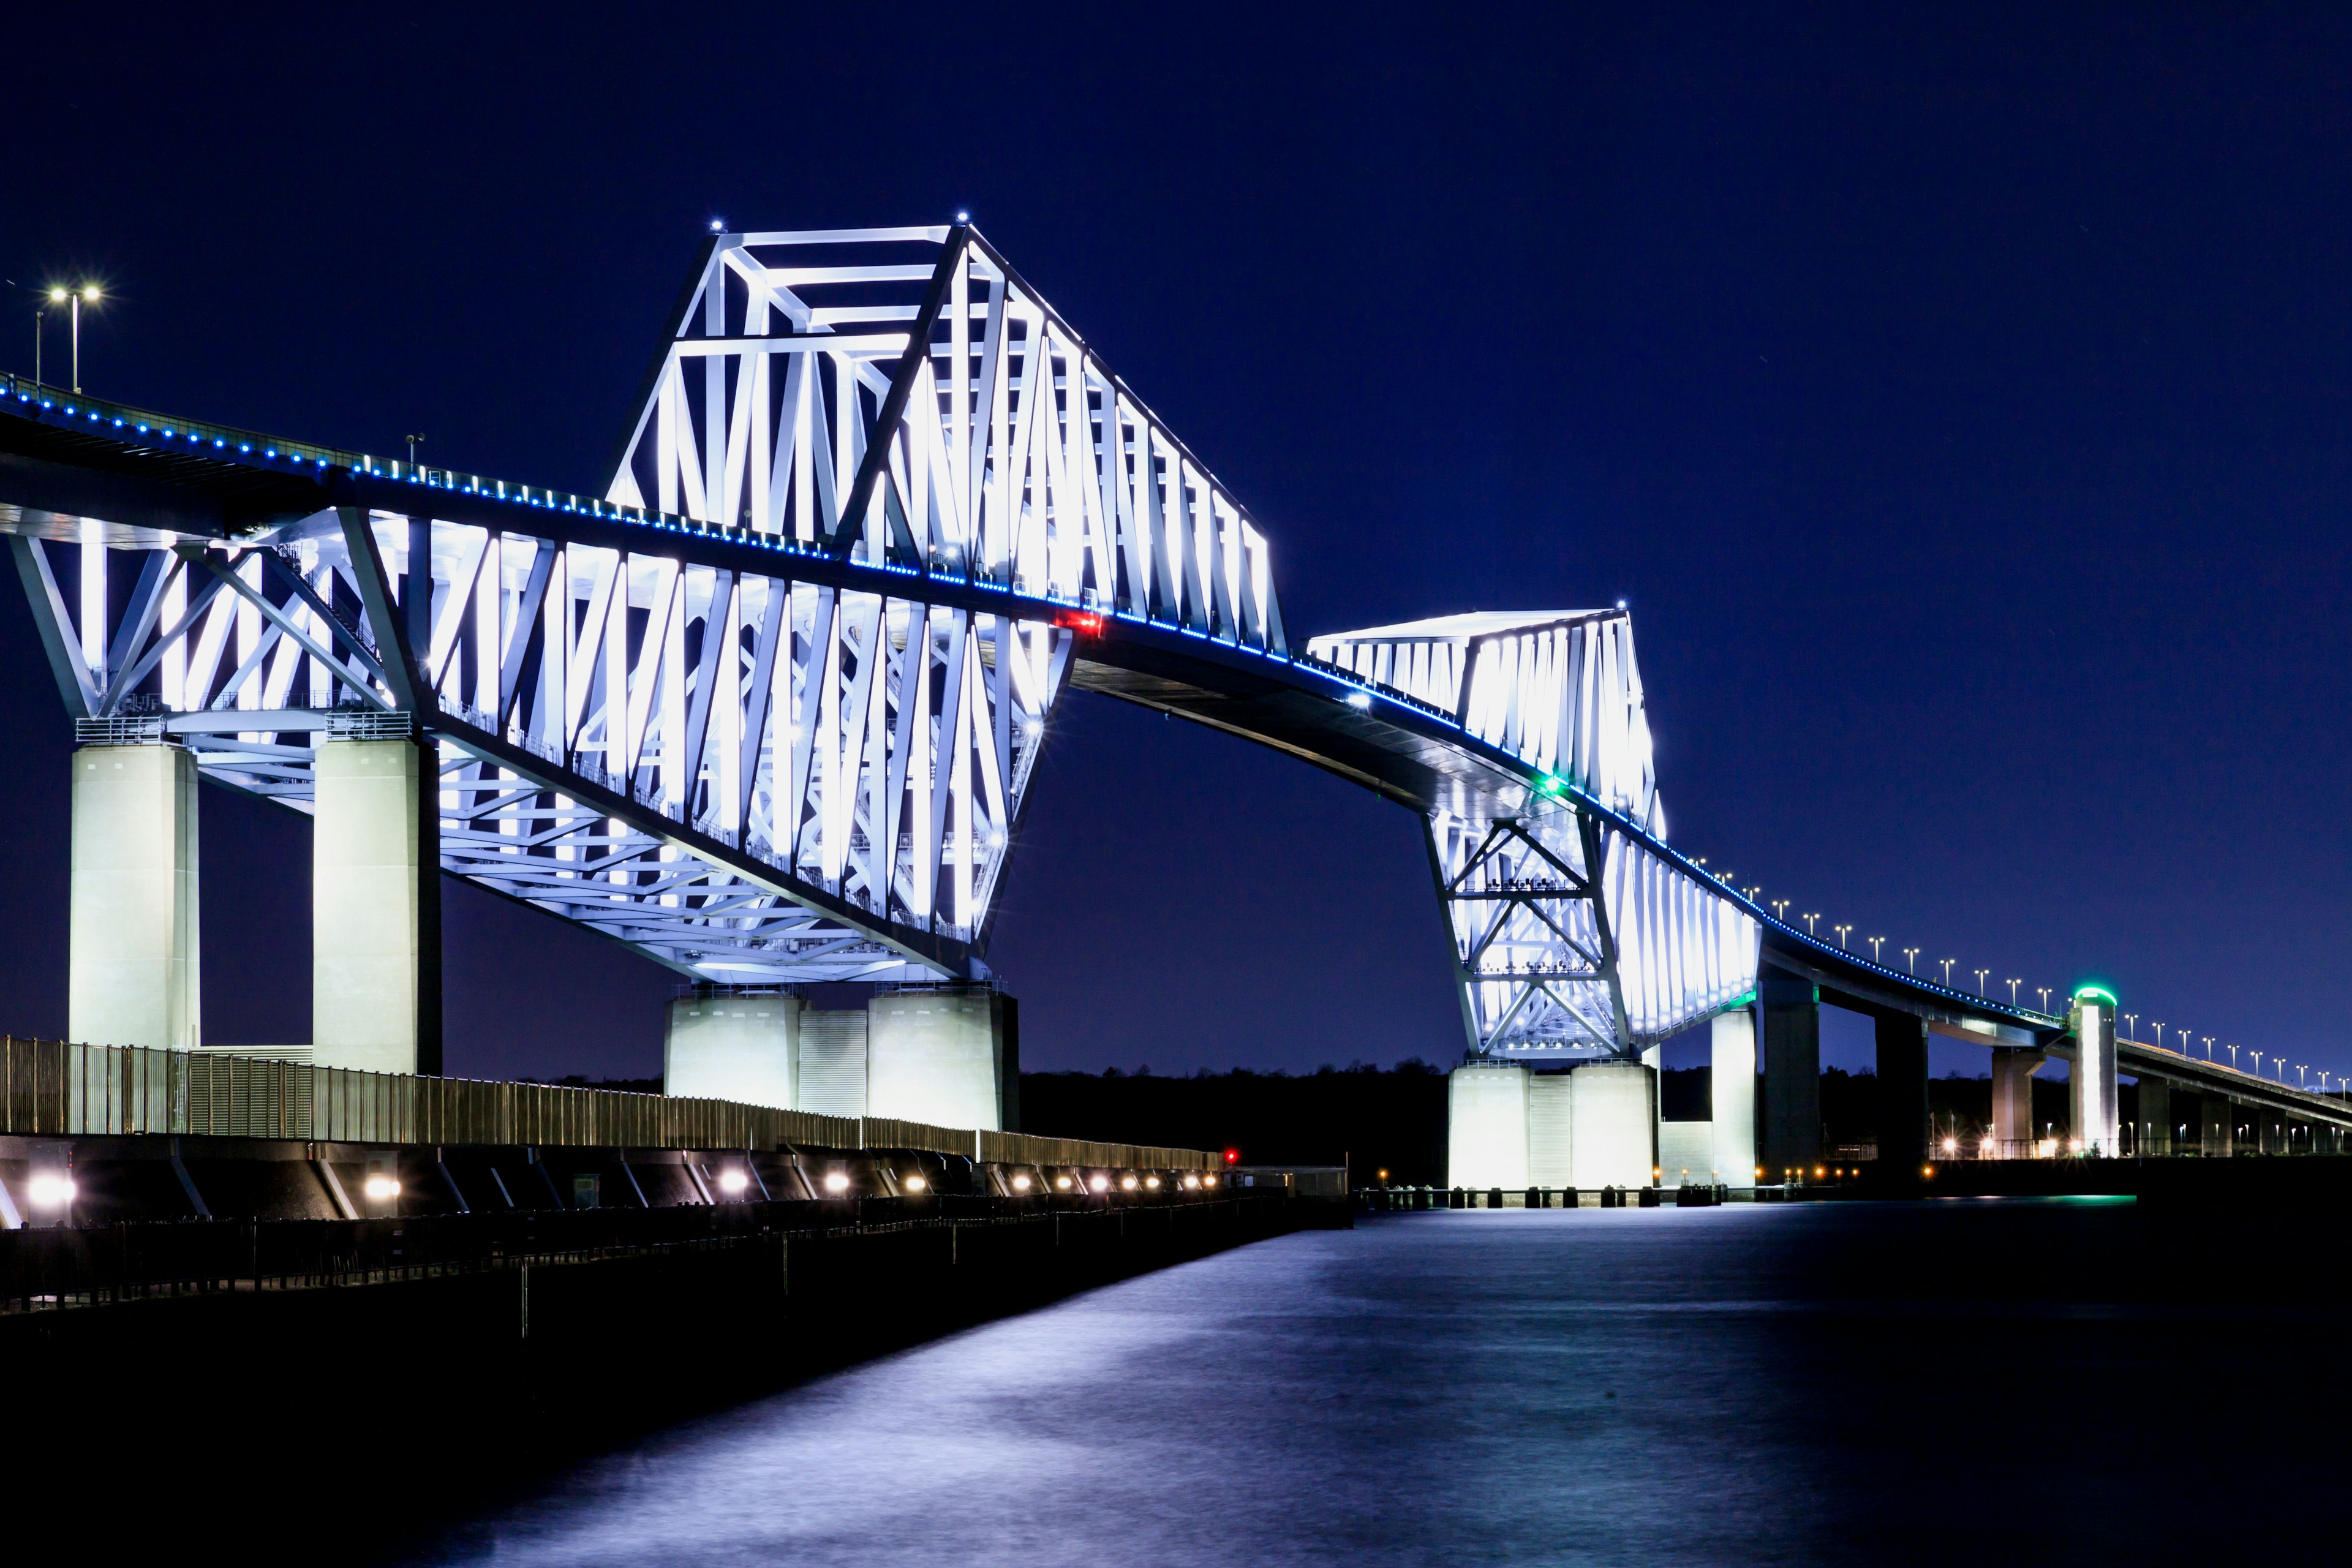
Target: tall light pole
column 1947, row 970
column 1842, row 930
column 1911, row 959
column 2233, row 1051
column 2158, row 1026
column 1809, row 920
column 2258, row 1063
column 1980, row 982
column 1874, row 947
column 1780, row 911
column 2045, row 996
column 2131, row 1021
column 74, row 299
column 2012, row 986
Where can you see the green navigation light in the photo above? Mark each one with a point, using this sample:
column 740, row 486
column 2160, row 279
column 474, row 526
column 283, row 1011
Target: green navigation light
column 2099, row 991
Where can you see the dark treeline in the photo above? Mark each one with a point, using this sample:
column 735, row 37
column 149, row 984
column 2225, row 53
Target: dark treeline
column 1373, row 1119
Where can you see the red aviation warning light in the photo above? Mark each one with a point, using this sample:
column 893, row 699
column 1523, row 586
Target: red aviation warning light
column 1232, row 1156
column 1085, row 622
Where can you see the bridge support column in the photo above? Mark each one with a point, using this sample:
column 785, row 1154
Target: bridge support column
column 1733, row 1043
column 375, row 908
column 1613, row 1108
column 1551, row 1130
column 2013, row 1101
column 2217, row 1137
column 1792, row 1074
column 1486, row 1115
column 739, row 1046
column 949, row 1056
column 133, row 974
column 2153, row 1121
column 1902, row 1094
column 2091, row 1093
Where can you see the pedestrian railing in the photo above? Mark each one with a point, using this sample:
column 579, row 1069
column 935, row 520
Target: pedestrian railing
column 52, row 1089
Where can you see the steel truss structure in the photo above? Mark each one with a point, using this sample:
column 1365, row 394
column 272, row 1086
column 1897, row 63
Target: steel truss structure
column 766, row 708
column 1569, row 933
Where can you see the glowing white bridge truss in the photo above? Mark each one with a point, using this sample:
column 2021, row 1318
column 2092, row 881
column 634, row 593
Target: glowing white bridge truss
column 766, row 708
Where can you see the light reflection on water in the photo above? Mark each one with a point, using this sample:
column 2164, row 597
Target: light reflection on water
column 1744, row 1385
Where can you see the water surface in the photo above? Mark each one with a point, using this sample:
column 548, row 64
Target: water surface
column 1948, row 1382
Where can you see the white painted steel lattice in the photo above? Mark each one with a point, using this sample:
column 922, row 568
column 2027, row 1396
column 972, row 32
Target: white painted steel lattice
column 1550, row 956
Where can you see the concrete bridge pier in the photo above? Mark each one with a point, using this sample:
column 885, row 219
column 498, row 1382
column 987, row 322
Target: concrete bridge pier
column 1791, row 1119
column 2217, row 1139
column 2153, row 1123
column 2013, row 1132
column 947, row 1055
column 1592, row 1126
column 738, row 1046
column 1902, row 1041
column 375, row 907
column 133, row 970
column 1732, row 1046
column 2091, row 1093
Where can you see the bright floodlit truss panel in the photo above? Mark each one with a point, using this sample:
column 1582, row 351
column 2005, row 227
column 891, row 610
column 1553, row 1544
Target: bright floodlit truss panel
column 902, row 396
column 855, row 753
column 1548, row 956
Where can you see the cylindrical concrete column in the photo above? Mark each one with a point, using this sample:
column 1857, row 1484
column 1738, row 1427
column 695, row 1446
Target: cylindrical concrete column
column 1734, row 1047
column 1487, row 1142
column 738, row 1047
column 937, row 1055
column 2093, row 1095
column 134, row 973
column 375, row 908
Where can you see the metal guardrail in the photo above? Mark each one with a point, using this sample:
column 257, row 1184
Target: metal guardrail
column 49, row 1089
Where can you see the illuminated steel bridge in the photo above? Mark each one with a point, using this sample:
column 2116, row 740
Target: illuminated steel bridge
column 767, row 710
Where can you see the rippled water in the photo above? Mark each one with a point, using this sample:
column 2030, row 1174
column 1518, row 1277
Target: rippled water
column 1961, row 1382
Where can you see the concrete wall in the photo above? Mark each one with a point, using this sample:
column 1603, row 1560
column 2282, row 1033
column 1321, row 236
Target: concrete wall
column 1614, row 1110
column 1551, row 1130
column 375, row 909
column 134, row 967
column 1733, row 1039
column 935, row 1056
column 830, row 1077
column 743, row 1048
column 1488, row 1116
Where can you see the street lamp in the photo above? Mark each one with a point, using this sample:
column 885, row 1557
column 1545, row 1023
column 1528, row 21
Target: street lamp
column 1842, row 930
column 2012, row 986
column 1874, row 947
column 2158, row 1027
column 1911, row 959
column 2258, row 1062
column 1947, row 970
column 1980, row 982
column 2131, row 1020
column 73, row 299
column 2045, row 996
column 1809, row 920
column 1780, row 911
column 2233, row 1052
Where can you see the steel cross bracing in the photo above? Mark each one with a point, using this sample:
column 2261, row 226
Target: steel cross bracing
column 1549, row 955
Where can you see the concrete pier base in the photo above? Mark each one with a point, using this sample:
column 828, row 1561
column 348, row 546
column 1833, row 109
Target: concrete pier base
column 743, row 1047
column 1791, row 1119
column 1733, row 1046
column 1614, row 1110
column 2154, row 1119
column 2218, row 1137
column 1903, row 1132
column 375, row 908
column 945, row 1056
column 830, row 1077
column 2013, row 1101
column 133, row 970
column 1486, row 1142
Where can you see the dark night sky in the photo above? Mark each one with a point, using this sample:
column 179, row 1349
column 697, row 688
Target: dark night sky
column 1958, row 397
